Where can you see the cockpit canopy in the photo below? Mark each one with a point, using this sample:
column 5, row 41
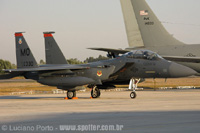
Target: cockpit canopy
column 143, row 54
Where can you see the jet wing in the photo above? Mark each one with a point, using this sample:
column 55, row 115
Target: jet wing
column 50, row 68
column 116, row 51
column 182, row 59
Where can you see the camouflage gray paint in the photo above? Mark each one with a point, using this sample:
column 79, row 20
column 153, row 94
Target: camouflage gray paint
column 53, row 52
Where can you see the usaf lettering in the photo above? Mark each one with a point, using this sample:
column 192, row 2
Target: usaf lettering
column 146, row 18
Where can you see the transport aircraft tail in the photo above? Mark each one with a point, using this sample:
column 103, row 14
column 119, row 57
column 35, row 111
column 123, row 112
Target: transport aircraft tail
column 143, row 27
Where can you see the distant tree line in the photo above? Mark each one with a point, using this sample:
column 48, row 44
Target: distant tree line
column 92, row 59
column 76, row 61
column 4, row 64
column 87, row 60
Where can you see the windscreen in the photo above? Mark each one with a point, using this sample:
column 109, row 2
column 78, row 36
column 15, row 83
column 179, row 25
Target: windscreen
column 143, row 54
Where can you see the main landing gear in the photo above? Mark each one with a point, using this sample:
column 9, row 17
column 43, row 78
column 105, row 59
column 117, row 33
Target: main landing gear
column 133, row 85
column 95, row 93
column 71, row 95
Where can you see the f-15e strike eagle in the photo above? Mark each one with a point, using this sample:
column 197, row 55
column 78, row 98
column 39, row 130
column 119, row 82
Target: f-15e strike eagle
column 97, row 75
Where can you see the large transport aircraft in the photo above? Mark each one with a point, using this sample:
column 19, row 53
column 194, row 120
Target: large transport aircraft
column 97, row 75
column 144, row 30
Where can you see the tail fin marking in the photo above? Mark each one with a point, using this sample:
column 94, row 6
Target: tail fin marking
column 152, row 31
column 25, row 58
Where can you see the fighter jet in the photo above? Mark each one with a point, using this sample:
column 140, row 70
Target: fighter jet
column 125, row 71
column 144, row 30
column 97, row 75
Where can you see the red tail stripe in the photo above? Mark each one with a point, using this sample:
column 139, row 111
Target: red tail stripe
column 48, row 35
column 18, row 34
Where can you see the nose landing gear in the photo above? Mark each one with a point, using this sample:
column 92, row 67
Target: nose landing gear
column 133, row 95
column 133, row 85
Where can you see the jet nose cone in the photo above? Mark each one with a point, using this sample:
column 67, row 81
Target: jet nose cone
column 177, row 70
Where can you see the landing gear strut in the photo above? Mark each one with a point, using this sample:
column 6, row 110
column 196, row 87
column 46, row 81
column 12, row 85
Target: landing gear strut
column 95, row 93
column 71, row 94
column 133, row 85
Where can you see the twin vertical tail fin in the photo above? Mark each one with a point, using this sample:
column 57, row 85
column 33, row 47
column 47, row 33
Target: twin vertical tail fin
column 25, row 58
column 53, row 53
column 143, row 27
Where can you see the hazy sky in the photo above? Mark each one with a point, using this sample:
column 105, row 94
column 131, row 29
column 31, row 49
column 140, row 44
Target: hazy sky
column 80, row 24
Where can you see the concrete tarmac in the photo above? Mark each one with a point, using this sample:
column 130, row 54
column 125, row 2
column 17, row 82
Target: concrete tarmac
column 152, row 111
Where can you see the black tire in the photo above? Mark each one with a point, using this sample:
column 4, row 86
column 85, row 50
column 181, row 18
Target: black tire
column 95, row 93
column 99, row 93
column 74, row 93
column 70, row 94
column 133, row 95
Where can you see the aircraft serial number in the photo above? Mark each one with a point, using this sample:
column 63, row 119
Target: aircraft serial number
column 28, row 63
column 149, row 23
